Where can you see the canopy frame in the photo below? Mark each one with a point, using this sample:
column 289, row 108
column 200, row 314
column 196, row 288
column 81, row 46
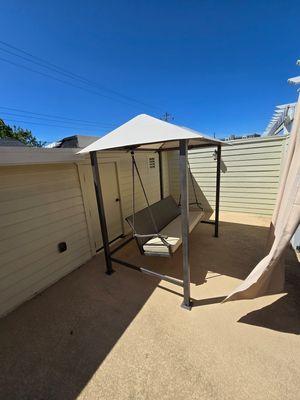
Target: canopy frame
column 183, row 171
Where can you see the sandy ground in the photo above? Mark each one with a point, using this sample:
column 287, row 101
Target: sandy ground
column 91, row 336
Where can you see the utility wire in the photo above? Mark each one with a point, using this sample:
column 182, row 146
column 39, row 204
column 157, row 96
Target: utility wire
column 58, row 79
column 52, row 67
column 55, row 116
column 13, row 120
column 72, row 75
column 54, row 120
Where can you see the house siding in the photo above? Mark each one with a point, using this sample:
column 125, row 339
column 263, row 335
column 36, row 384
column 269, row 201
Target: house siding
column 250, row 182
column 40, row 206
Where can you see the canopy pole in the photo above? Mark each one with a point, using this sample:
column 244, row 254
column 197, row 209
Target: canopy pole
column 218, row 185
column 101, row 212
column 161, row 182
column 183, row 167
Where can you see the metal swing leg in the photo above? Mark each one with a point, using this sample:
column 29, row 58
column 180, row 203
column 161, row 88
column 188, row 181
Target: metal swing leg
column 99, row 198
column 218, row 188
column 218, row 184
column 183, row 150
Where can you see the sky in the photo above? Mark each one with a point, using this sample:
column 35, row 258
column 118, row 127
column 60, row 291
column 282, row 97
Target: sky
column 219, row 67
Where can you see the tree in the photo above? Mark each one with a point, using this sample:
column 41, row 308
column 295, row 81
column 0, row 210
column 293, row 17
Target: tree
column 25, row 136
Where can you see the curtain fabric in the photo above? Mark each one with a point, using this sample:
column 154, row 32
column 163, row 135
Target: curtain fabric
column 268, row 275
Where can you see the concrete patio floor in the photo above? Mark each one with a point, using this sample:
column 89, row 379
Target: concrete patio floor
column 91, row 336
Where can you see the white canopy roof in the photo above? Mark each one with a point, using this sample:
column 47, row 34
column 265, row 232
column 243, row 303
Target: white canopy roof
column 148, row 133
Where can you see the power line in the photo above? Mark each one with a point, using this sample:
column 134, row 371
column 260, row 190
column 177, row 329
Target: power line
column 54, row 120
column 57, row 79
column 54, row 116
column 69, row 74
column 13, row 120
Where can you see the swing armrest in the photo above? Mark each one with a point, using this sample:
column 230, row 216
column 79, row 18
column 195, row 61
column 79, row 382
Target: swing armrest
column 156, row 235
column 151, row 235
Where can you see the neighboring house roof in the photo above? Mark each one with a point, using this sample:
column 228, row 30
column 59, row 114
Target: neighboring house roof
column 281, row 119
column 7, row 141
column 244, row 136
column 75, row 141
column 146, row 132
column 283, row 116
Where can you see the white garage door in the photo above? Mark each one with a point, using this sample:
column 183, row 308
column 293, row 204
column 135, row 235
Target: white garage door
column 40, row 207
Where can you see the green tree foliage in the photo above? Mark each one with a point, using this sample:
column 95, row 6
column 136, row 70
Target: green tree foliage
column 23, row 135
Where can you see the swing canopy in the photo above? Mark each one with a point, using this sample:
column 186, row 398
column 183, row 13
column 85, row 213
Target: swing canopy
column 144, row 132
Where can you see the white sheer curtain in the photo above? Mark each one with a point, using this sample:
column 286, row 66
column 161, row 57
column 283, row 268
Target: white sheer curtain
column 268, row 275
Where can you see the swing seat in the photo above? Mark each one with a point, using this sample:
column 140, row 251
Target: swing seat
column 168, row 219
column 173, row 233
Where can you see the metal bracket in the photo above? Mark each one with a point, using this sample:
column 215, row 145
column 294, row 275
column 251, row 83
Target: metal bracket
column 187, row 307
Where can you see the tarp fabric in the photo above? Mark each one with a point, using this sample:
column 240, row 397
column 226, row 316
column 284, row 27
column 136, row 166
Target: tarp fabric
column 149, row 133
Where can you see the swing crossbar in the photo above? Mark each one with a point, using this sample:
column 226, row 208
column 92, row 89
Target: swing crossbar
column 148, row 271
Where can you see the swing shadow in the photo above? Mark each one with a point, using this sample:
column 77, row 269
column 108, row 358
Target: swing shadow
column 209, row 254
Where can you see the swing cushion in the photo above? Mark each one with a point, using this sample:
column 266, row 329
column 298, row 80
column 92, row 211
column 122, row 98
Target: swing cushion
column 166, row 214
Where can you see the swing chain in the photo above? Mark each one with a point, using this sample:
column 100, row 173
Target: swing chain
column 157, row 234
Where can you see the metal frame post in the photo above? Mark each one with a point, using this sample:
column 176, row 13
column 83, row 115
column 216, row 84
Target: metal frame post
column 183, row 167
column 161, row 182
column 218, row 184
column 101, row 212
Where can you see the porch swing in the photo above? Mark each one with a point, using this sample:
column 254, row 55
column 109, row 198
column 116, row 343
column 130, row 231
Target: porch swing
column 160, row 228
column 157, row 227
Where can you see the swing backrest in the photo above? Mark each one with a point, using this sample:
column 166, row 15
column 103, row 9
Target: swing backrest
column 163, row 211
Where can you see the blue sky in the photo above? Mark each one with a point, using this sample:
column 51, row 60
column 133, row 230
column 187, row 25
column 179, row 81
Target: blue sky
column 217, row 66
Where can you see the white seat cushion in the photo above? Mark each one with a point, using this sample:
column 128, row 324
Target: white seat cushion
column 154, row 246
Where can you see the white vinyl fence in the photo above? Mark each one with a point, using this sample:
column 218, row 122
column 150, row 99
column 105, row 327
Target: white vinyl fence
column 249, row 179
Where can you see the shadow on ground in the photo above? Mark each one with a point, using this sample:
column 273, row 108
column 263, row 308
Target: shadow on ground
column 284, row 314
column 52, row 345
column 234, row 253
